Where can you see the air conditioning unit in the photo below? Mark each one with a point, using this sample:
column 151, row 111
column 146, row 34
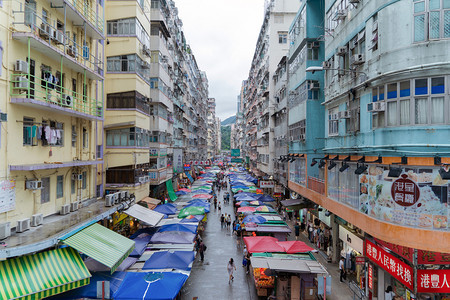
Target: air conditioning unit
column 116, row 198
column 314, row 85
column 344, row 114
column 37, row 220
column 46, row 31
column 59, row 37
column 326, row 64
column 21, row 66
column 21, row 83
column 123, row 195
column 33, row 184
column 340, row 14
column 109, row 200
column 341, row 51
column 127, row 195
column 74, row 206
column 72, row 51
column 65, row 209
column 357, row 59
column 23, row 225
column 5, row 230
column 66, row 100
column 375, row 106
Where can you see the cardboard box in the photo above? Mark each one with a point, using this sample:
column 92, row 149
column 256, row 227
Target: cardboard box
column 310, row 293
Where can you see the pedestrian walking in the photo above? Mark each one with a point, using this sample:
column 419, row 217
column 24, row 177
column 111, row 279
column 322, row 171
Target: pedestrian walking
column 231, row 268
column 220, row 208
column 297, row 230
column 202, row 249
column 222, row 221
column 244, row 254
column 228, row 221
column 342, row 270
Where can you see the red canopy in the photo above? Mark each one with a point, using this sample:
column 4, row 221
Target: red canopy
column 291, row 247
column 246, row 208
column 257, row 244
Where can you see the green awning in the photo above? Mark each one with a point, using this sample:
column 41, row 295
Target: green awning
column 42, row 275
column 170, row 190
column 102, row 244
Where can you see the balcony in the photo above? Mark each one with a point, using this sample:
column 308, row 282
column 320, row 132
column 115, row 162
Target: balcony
column 26, row 90
column 54, row 43
column 317, row 185
column 78, row 12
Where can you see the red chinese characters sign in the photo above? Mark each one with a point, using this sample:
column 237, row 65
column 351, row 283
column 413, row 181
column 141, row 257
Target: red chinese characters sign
column 404, row 191
column 370, row 277
column 433, row 281
column 432, row 258
column 394, row 266
column 405, row 252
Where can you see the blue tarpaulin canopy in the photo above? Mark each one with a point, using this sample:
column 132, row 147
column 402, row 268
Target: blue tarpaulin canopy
column 140, row 245
column 170, row 260
column 173, row 237
column 178, row 227
column 246, row 198
column 266, row 198
column 254, row 219
column 180, row 193
column 150, row 286
column 167, row 209
column 194, row 219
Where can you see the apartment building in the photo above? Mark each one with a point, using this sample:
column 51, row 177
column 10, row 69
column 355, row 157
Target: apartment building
column 211, row 142
column 259, row 88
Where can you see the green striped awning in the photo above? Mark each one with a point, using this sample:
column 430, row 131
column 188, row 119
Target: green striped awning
column 102, row 244
column 42, row 275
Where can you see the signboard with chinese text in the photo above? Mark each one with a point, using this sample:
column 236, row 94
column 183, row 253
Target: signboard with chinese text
column 432, row 258
column 405, row 252
column 394, row 266
column 418, row 198
column 235, row 152
column 178, row 160
column 359, row 260
column 154, row 151
column 433, row 281
column 370, row 277
column 266, row 184
column 7, row 195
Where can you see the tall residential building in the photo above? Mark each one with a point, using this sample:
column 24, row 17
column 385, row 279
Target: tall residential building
column 211, row 127
column 260, row 98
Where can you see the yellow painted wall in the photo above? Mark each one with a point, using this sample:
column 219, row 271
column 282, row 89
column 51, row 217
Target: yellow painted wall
column 116, row 83
column 125, row 157
column 123, row 116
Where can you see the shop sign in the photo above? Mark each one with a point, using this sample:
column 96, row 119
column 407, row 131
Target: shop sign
column 118, row 217
column 266, row 184
column 153, row 151
column 177, row 160
column 394, row 266
column 432, row 258
column 359, row 260
column 235, row 152
column 405, row 252
column 370, row 277
column 417, row 199
column 351, row 239
column 433, row 281
column 187, row 167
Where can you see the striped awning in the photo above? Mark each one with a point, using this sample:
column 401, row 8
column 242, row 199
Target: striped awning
column 42, row 275
column 102, row 244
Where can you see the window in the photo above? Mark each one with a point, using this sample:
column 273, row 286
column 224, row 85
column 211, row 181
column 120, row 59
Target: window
column 297, row 131
column 99, row 151
column 74, row 136
column 29, row 130
column 128, row 137
column 85, row 138
column 59, row 186
column 130, row 26
column 45, row 191
column 333, row 121
column 420, row 101
column 282, row 37
column 53, row 133
column 313, row 51
column 352, row 123
column 130, row 63
column 72, row 186
column 431, row 19
column 84, row 181
column 30, row 12
column 374, row 46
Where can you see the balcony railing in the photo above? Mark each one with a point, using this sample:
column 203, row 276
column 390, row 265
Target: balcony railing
column 316, row 184
column 43, row 92
column 89, row 14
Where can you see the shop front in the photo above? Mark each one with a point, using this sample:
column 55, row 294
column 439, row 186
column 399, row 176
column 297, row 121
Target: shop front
column 386, row 272
column 352, row 249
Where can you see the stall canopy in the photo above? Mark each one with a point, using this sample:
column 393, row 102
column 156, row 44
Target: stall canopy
column 167, row 209
column 95, row 266
column 144, row 214
column 288, row 265
column 295, row 247
column 150, row 286
column 179, row 227
column 262, row 244
column 173, row 237
column 43, row 274
column 102, row 244
column 180, row 260
column 170, row 190
column 150, row 202
column 266, row 198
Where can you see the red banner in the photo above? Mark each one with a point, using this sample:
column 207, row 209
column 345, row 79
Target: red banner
column 433, row 281
column 370, row 277
column 432, row 258
column 405, row 252
column 394, row 266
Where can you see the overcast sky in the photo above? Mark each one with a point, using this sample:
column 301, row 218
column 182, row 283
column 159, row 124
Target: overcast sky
column 222, row 35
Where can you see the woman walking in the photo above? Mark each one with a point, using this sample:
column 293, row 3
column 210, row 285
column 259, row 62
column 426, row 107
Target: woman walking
column 231, row 268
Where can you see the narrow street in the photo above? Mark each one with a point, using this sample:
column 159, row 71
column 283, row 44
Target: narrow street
column 209, row 280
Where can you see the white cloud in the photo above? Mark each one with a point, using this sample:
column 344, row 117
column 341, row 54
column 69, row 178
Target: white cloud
column 222, row 35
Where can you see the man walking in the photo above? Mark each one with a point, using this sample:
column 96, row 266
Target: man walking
column 202, row 249
column 341, row 269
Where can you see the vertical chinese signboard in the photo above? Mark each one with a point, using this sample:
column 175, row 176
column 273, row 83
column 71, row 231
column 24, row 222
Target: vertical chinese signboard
column 370, row 277
column 178, row 160
column 394, row 266
column 433, row 281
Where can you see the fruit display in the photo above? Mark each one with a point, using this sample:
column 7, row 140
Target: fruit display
column 261, row 280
